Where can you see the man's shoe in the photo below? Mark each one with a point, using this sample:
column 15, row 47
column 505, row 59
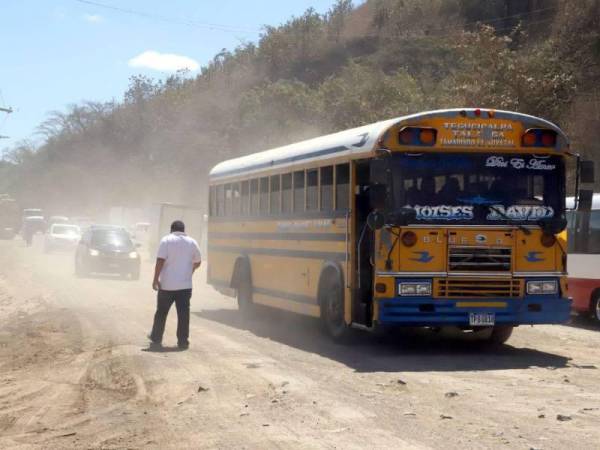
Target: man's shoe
column 183, row 345
column 154, row 343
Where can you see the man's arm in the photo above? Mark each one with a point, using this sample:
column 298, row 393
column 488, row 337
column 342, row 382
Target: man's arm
column 160, row 262
column 196, row 265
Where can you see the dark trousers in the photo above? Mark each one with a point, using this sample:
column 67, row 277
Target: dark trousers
column 164, row 300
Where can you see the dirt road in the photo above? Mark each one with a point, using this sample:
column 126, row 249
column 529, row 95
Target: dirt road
column 75, row 372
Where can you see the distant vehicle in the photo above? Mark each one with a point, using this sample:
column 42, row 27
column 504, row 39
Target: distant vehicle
column 57, row 219
column 584, row 258
column 62, row 237
column 10, row 218
column 31, row 226
column 107, row 249
column 83, row 221
column 33, row 212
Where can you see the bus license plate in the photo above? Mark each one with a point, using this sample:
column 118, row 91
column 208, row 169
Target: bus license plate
column 482, row 319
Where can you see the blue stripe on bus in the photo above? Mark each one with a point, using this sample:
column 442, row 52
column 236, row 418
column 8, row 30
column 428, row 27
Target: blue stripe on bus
column 332, row 256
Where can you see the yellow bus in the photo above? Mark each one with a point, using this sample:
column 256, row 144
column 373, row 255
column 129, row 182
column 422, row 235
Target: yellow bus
column 444, row 218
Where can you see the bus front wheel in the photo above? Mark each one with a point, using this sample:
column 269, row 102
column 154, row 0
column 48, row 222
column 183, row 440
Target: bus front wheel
column 500, row 334
column 332, row 309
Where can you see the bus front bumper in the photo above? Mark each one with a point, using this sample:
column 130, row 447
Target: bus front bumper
column 428, row 311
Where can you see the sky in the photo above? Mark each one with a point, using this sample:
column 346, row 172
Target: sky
column 59, row 52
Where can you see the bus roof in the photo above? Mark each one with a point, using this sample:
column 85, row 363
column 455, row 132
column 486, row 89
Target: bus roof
column 595, row 202
column 353, row 143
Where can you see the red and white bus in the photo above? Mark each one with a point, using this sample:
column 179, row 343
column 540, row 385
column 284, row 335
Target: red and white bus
column 584, row 258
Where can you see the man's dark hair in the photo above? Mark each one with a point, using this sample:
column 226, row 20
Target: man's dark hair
column 178, row 225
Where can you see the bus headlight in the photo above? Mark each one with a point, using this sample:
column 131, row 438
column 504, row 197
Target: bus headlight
column 415, row 288
column 542, row 287
column 94, row 252
column 133, row 255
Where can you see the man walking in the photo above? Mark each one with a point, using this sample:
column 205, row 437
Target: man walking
column 177, row 259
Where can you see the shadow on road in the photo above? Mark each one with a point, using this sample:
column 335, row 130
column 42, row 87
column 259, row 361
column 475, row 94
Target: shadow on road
column 161, row 349
column 583, row 322
column 407, row 350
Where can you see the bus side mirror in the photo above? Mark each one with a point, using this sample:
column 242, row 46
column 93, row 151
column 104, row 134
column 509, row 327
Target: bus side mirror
column 377, row 195
column 585, row 200
column 586, row 171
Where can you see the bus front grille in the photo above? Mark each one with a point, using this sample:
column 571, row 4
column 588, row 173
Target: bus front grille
column 478, row 288
column 479, row 259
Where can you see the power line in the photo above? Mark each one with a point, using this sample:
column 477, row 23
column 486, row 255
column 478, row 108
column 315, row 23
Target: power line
column 189, row 23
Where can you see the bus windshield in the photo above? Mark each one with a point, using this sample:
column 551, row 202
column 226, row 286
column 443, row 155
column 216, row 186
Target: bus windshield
column 479, row 188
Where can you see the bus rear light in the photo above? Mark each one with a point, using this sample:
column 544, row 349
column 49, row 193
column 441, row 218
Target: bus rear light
column 536, row 137
column 427, row 136
column 548, row 240
column 409, row 238
column 424, row 137
column 548, row 139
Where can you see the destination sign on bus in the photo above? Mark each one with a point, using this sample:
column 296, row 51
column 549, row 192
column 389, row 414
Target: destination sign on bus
column 479, row 134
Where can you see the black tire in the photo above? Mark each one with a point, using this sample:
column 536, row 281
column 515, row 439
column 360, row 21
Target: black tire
column 500, row 334
column 331, row 297
column 595, row 307
column 244, row 293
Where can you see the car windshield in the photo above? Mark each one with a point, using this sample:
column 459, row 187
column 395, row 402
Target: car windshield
column 117, row 238
column 479, row 188
column 71, row 230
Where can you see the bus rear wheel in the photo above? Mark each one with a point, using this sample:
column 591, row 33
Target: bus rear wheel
column 332, row 309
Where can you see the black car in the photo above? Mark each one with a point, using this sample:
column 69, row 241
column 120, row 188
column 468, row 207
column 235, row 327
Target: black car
column 107, row 249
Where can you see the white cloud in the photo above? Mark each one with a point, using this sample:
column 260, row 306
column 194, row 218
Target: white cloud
column 93, row 18
column 164, row 62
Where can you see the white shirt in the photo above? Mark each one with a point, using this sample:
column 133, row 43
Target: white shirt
column 180, row 253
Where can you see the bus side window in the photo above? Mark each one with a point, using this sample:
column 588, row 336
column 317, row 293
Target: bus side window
column 327, row 188
column 235, row 191
column 342, row 186
column 220, row 201
column 245, row 198
column 264, row 196
column 286, row 193
column 228, row 200
column 275, row 195
column 254, row 201
column 299, row 191
column 312, row 190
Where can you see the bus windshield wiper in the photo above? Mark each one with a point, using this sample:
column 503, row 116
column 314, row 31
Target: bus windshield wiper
column 501, row 213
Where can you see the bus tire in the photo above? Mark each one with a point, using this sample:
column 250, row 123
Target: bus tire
column 331, row 299
column 595, row 306
column 500, row 334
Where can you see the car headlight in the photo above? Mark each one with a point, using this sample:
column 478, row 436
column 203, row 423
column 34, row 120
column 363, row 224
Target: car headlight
column 542, row 287
column 412, row 288
column 94, row 252
column 133, row 255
